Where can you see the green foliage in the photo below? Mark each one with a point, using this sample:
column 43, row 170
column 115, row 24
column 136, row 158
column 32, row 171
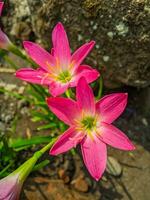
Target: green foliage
column 40, row 111
column 19, row 144
column 11, row 148
column 10, row 152
column 41, row 165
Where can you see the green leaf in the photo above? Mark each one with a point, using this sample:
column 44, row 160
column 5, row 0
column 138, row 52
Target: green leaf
column 13, row 94
column 41, row 90
column 40, row 165
column 40, row 115
column 47, row 126
column 73, row 151
column 21, row 143
column 6, row 168
column 37, row 92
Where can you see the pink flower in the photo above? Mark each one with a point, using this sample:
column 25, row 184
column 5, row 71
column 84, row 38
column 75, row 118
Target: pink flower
column 5, row 43
column 90, row 125
column 59, row 70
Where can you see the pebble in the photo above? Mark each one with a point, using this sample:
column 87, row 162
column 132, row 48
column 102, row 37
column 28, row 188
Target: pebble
column 41, row 180
column 144, row 121
column 106, row 58
column 63, row 175
column 110, row 34
column 80, row 184
column 113, row 167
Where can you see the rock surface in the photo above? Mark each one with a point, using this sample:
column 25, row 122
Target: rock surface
column 120, row 29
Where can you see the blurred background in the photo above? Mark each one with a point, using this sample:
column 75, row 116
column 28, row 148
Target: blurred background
column 121, row 29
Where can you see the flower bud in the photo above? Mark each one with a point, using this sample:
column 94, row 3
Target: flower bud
column 10, row 186
column 5, row 43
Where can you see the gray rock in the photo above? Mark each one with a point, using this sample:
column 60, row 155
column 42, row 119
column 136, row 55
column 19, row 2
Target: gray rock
column 113, row 166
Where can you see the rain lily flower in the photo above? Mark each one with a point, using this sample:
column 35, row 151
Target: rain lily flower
column 10, row 186
column 59, row 70
column 90, row 125
column 5, row 43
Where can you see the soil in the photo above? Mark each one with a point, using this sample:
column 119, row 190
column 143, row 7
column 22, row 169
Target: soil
column 66, row 178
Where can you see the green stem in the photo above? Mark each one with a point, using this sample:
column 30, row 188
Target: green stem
column 5, row 143
column 69, row 94
column 47, row 147
column 8, row 60
column 6, row 168
column 40, row 165
column 15, row 50
column 26, row 167
column 100, row 87
column 39, row 90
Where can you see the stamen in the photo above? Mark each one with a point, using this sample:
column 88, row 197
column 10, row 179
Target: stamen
column 64, row 77
column 88, row 123
column 51, row 68
column 43, row 79
column 71, row 65
column 58, row 67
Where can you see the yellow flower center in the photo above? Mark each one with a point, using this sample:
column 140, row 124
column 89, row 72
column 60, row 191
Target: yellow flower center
column 64, row 77
column 59, row 73
column 88, row 123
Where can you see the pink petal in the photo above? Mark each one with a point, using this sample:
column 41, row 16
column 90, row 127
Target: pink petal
column 87, row 72
column 84, row 96
column 66, row 141
column 1, row 7
column 57, row 88
column 61, row 44
column 39, row 55
column 65, row 109
column 81, row 53
column 38, row 76
column 94, row 155
column 114, row 137
column 111, row 106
